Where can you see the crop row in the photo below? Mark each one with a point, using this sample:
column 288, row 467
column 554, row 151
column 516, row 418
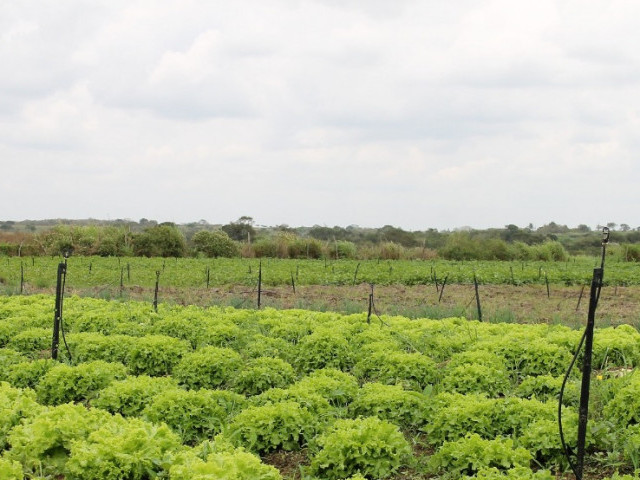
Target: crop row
column 189, row 272
column 201, row 393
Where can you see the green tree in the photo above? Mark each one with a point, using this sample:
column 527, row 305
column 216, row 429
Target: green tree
column 215, row 244
column 161, row 241
column 240, row 230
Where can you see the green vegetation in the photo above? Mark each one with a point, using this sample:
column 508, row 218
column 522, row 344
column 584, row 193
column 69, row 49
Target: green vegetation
column 188, row 392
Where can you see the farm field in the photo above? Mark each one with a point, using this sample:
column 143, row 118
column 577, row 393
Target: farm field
column 83, row 272
column 193, row 392
column 541, row 292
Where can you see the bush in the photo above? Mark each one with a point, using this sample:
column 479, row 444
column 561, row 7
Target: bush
column 215, row 244
column 156, row 355
column 285, row 426
column 194, row 415
column 467, row 455
column 141, row 451
column 209, row 367
column 130, row 396
column 64, row 383
column 369, row 446
column 262, row 374
column 392, row 403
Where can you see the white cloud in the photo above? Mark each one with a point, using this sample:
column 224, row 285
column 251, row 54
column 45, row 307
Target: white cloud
column 413, row 113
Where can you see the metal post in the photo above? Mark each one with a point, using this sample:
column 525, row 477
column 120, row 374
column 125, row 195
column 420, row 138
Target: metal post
column 155, row 293
column 259, row 284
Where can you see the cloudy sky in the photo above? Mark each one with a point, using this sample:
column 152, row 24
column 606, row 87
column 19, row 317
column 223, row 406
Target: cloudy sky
column 414, row 113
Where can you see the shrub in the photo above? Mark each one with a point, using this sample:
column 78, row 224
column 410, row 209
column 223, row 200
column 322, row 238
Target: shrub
column 392, row 403
column 141, row 451
column 262, row 374
column 467, row 455
column 369, row 446
column 64, row 383
column 130, row 396
column 209, row 367
column 194, row 415
column 156, row 355
column 285, row 426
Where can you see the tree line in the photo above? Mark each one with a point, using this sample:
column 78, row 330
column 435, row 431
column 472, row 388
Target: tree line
column 243, row 238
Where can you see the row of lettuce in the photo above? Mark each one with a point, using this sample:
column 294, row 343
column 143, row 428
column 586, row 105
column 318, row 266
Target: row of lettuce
column 86, row 272
column 202, row 393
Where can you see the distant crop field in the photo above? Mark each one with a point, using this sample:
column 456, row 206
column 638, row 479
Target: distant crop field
column 188, row 272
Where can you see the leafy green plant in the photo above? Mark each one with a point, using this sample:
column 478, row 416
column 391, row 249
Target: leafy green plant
column 90, row 346
column 42, row 443
column 156, row 355
column 130, row 396
column 369, row 446
column 467, row 455
column 547, row 388
column 286, row 426
column 10, row 469
column 262, row 374
column 471, row 378
column 392, row 403
column 412, row 370
column 516, row 473
column 33, row 342
column 228, row 464
column 17, row 404
column 28, row 374
column 64, row 383
column 143, row 451
column 208, row 367
column 338, row 388
column 624, row 409
column 323, row 349
column 194, row 415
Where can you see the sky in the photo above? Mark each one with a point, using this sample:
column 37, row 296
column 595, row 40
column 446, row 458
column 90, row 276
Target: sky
column 413, row 113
